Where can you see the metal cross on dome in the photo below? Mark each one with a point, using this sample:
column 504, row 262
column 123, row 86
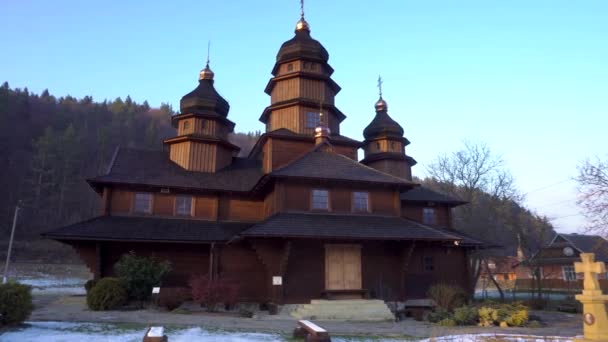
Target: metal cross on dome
column 380, row 85
column 302, row 8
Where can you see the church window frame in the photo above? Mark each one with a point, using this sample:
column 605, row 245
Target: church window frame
column 290, row 67
column 429, row 215
column 361, row 202
column 319, row 199
column 183, row 205
column 569, row 273
column 312, row 119
column 186, row 126
column 142, row 203
column 428, row 263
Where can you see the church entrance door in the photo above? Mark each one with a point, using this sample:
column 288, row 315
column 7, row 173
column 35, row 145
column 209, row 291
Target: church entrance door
column 342, row 267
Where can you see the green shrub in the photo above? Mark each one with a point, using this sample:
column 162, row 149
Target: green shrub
column 438, row 315
column 141, row 274
column 90, row 284
column 447, row 322
column 107, row 294
column 15, row 303
column 487, row 316
column 447, row 296
column 465, row 315
column 517, row 318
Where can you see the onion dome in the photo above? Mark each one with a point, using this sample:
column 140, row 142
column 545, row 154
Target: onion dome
column 204, row 99
column 302, row 46
column 382, row 124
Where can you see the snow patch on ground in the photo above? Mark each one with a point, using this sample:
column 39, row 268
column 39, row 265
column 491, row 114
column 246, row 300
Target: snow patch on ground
column 497, row 337
column 48, row 284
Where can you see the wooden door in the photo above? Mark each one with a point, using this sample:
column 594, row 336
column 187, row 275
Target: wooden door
column 343, row 267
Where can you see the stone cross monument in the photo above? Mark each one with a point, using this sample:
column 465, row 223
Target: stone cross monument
column 595, row 318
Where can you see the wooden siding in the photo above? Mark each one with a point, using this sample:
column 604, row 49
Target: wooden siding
column 233, row 209
column 179, row 153
column 349, row 151
column 163, row 205
column 382, row 202
column 397, row 168
column 384, row 145
column 315, row 90
column 285, row 90
column 202, row 157
column 223, row 158
column 121, row 201
column 239, row 262
column 286, row 151
column 414, row 212
column 297, row 197
column 293, row 118
column 206, row 207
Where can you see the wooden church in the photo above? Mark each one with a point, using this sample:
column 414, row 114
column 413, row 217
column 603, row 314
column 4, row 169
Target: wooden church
column 299, row 218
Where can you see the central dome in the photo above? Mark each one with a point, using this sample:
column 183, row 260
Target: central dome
column 302, row 46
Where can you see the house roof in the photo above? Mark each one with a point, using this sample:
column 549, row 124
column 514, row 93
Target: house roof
column 425, row 194
column 319, row 163
column 587, row 244
column 154, row 168
column 147, row 229
column 327, row 226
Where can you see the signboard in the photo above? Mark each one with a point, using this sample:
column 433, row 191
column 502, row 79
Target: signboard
column 155, row 290
column 277, row 280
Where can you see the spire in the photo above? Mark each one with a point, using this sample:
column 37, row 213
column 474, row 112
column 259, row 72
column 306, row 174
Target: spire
column 520, row 251
column 206, row 74
column 302, row 25
column 381, row 105
column 322, row 132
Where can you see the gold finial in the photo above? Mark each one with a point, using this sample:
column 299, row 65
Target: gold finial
column 206, row 74
column 302, row 24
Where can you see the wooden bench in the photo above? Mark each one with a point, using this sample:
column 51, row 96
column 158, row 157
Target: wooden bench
column 155, row 334
column 311, row 332
column 417, row 308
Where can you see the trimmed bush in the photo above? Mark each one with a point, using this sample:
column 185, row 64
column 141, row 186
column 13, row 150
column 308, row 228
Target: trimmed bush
column 210, row 293
column 15, row 303
column 487, row 316
column 447, row 296
column 141, row 274
column 107, row 294
column 447, row 322
column 517, row 318
column 438, row 315
column 465, row 315
column 90, row 284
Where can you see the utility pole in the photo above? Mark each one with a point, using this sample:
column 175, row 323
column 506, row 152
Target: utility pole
column 10, row 244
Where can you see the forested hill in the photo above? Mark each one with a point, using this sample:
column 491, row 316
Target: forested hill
column 50, row 145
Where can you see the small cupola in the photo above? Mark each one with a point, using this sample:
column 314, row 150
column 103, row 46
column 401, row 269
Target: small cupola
column 384, row 144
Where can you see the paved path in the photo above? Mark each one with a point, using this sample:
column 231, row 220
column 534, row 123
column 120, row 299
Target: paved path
column 73, row 309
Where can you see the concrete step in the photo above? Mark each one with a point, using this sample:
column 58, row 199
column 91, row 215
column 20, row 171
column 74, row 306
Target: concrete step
column 348, row 310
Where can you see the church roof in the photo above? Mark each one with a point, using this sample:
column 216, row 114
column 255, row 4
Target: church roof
column 302, row 46
column 319, row 163
column 204, row 99
column 154, row 168
column 383, row 125
column 326, row 225
column 424, row 194
column 584, row 244
column 148, row 229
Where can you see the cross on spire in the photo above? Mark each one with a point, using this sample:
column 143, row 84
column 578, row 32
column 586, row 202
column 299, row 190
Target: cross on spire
column 302, row 8
column 208, row 49
column 591, row 269
column 380, row 85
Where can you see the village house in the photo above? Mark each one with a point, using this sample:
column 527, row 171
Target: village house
column 555, row 262
column 299, row 218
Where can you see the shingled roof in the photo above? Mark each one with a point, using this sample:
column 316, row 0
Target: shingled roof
column 319, row 163
column 327, row 226
column 154, row 168
column 147, row 229
column 424, row 194
column 587, row 244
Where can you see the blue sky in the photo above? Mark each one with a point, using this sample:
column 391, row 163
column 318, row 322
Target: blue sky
column 529, row 77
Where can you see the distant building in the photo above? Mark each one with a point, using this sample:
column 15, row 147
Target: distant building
column 299, row 218
column 556, row 261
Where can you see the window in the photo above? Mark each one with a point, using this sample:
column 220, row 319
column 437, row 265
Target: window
column 360, row 201
column 183, row 205
column 289, row 67
column 143, row 203
column 428, row 216
column 320, row 199
column 186, row 125
column 428, row 264
column 312, row 119
column 378, row 145
column 569, row 274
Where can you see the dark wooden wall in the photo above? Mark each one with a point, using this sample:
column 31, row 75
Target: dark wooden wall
column 414, row 212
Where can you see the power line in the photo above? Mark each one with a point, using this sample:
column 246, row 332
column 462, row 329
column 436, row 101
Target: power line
column 548, row 186
column 556, row 203
column 560, row 217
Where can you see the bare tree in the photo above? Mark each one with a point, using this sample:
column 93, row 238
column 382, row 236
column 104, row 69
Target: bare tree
column 593, row 194
column 473, row 169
